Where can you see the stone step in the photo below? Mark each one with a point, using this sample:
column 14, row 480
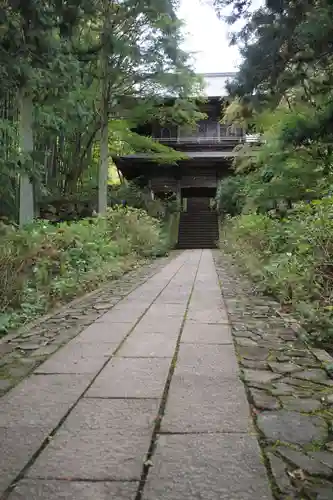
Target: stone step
column 198, row 229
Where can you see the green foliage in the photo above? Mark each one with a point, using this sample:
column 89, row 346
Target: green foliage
column 284, row 92
column 126, row 141
column 286, row 49
column 82, row 62
column 135, row 197
column 291, row 165
column 292, row 258
column 43, row 265
column 230, row 196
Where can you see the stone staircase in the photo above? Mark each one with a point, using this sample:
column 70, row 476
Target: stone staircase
column 198, row 226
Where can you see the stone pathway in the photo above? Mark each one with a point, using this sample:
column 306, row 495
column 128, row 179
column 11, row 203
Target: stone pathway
column 23, row 351
column 146, row 402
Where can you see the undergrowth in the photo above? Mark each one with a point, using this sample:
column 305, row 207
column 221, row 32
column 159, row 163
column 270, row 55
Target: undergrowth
column 292, row 258
column 44, row 265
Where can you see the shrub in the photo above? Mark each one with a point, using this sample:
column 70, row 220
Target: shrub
column 230, row 195
column 136, row 198
column 293, row 258
column 44, row 264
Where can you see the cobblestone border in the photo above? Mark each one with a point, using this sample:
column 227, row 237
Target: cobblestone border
column 22, row 351
column 320, row 354
column 289, row 391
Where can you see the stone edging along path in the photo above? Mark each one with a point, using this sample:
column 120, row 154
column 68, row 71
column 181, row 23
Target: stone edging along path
column 21, row 352
column 289, row 391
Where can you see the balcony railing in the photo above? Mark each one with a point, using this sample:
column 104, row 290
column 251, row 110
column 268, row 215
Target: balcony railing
column 254, row 138
column 205, row 132
column 199, row 139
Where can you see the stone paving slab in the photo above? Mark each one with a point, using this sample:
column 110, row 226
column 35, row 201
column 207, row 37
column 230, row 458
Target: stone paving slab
column 131, row 378
column 207, row 315
column 206, row 296
column 209, row 301
column 147, row 325
column 140, row 300
column 78, row 358
column 202, row 333
column 175, row 295
column 73, row 490
column 18, row 445
column 132, row 307
column 103, row 332
column 100, row 440
column 27, row 416
column 41, row 400
column 211, row 360
column 123, row 314
column 149, row 345
column 143, row 296
column 208, row 467
column 161, row 310
column 292, row 427
column 202, row 403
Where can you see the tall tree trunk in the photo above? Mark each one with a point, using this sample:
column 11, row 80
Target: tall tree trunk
column 103, row 172
column 26, row 200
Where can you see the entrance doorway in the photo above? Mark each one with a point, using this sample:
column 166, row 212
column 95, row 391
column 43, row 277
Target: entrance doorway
column 197, row 199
